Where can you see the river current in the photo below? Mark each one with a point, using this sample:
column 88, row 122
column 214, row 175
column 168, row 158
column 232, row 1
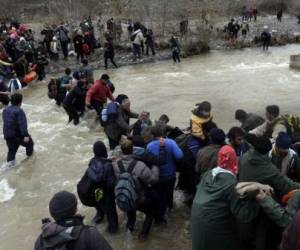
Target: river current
column 249, row 79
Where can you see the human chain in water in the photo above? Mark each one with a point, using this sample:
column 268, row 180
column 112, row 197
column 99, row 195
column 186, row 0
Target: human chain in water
column 206, row 150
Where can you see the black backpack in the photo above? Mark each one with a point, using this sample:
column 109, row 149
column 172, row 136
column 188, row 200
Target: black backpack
column 125, row 190
column 88, row 191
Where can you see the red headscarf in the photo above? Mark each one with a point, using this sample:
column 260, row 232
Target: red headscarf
column 227, row 159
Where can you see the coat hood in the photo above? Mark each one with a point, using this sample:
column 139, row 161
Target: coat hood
column 138, row 151
column 214, row 180
column 257, row 159
column 96, row 169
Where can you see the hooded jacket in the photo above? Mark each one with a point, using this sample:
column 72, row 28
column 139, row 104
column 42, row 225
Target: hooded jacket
column 214, row 210
column 255, row 167
column 139, row 37
column 76, row 233
column 197, row 125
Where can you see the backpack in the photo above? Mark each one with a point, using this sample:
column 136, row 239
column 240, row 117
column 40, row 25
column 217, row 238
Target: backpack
column 125, row 190
column 14, row 85
column 90, row 189
column 292, row 124
column 86, row 49
column 110, row 113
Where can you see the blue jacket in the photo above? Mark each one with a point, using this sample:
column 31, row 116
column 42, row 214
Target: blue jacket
column 173, row 153
column 14, row 122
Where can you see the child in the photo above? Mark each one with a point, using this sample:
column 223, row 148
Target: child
column 200, row 116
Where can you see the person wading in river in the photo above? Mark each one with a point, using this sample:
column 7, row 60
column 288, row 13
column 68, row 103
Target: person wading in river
column 15, row 129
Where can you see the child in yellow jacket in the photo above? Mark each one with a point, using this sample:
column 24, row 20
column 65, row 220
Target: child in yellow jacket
column 200, row 115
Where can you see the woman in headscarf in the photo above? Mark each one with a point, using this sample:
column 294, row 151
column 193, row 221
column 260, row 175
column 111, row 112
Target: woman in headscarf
column 216, row 206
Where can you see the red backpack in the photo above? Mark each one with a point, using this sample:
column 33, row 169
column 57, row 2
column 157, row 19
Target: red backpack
column 86, row 49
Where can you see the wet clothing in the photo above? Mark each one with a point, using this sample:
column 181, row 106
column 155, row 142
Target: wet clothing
column 214, row 210
column 83, row 237
column 61, row 89
column 251, row 122
column 99, row 92
column 14, row 131
column 74, row 103
column 14, row 122
column 167, row 175
column 101, row 173
column 114, row 129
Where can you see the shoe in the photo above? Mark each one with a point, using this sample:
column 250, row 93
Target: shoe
column 10, row 164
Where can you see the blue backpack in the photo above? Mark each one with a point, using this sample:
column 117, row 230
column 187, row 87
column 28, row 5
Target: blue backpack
column 110, row 113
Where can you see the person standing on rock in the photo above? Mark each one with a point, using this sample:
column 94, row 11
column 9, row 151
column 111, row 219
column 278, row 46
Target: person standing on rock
column 266, row 38
column 15, row 129
column 245, row 29
column 137, row 38
column 109, row 53
column 279, row 15
column 175, row 48
column 62, row 34
column 149, row 42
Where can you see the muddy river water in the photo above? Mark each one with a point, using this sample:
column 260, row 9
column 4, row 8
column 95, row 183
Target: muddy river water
column 248, row 79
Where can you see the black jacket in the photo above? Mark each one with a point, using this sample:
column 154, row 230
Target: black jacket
column 84, row 237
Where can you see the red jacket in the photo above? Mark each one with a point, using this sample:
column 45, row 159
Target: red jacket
column 99, row 91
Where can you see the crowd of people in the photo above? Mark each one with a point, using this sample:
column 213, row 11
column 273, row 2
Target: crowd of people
column 242, row 186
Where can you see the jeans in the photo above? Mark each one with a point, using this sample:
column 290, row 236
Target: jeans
column 13, row 145
column 136, row 51
column 98, row 106
column 64, row 47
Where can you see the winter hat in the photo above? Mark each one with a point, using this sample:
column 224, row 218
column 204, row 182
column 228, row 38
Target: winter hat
column 121, row 98
column 217, row 136
column 283, row 140
column 227, row 159
column 63, row 205
column 100, row 149
column 262, row 145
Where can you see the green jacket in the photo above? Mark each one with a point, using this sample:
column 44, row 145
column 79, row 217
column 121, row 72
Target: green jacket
column 280, row 215
column 214, row 211
column 255, row 167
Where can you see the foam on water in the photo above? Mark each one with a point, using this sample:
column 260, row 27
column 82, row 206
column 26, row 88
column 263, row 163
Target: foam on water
column 6, row 193
column 176, row 74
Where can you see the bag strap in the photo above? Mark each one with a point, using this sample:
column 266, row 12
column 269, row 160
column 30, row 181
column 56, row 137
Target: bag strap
column 121, row 166
column 130, row 167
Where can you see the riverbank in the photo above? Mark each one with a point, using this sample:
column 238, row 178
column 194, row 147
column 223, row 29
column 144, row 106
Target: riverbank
column 195, row 42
